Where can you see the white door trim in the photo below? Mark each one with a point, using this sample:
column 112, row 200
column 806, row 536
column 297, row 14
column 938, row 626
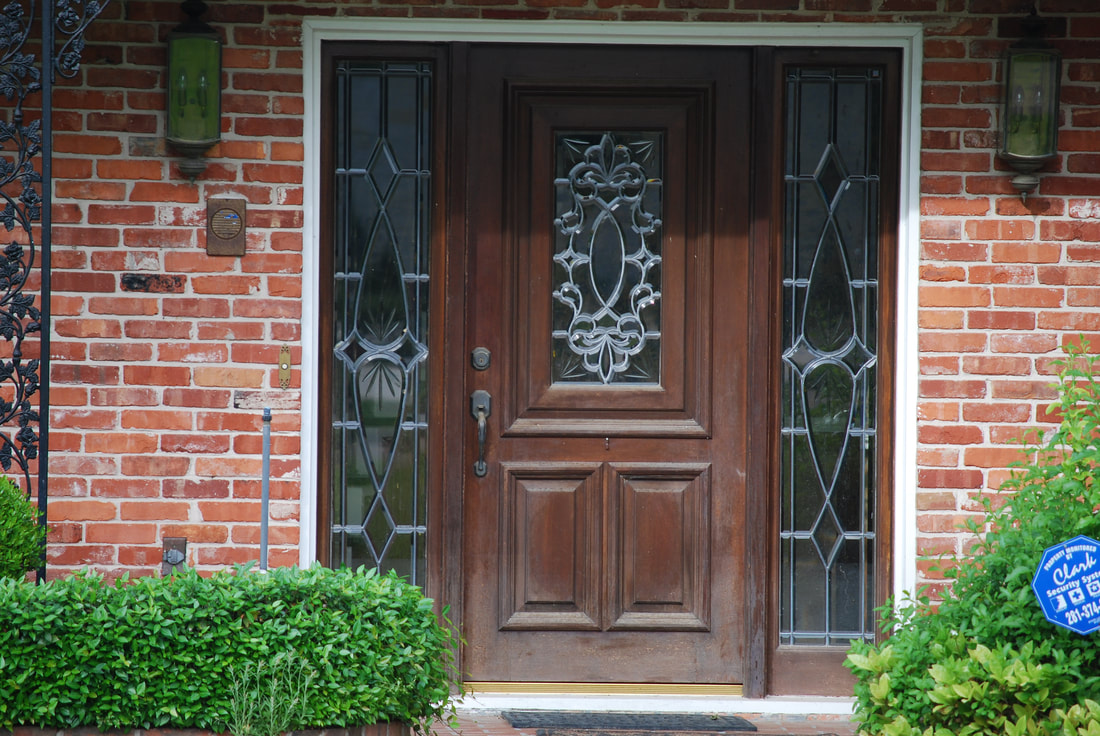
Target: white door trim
column 907, row 37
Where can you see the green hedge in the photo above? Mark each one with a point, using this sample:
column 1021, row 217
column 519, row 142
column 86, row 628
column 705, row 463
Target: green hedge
column 21, row 536
column 182, row 652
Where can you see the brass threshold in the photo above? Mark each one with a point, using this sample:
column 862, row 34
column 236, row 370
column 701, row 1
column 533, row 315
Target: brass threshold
column 602, row 688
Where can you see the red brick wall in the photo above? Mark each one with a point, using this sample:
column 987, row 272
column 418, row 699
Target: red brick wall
column 156, row 344
column 162, row 355
column 1003, row 282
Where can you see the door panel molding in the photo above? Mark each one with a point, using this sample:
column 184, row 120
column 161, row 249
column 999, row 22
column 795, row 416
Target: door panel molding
column 679, row 402
column 551, row 557
column 659, row 520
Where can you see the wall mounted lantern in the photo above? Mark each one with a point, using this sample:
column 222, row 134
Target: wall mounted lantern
column 194, row 88
column 1029, row 137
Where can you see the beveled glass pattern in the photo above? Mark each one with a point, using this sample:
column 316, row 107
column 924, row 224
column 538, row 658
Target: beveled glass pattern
column 380, row 316
column 607, row 235
column 830, row 284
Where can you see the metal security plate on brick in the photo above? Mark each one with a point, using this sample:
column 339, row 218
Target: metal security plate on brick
column 174, row 555
column 226, row 220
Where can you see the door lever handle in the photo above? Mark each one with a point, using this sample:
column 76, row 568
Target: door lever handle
column 481, row 406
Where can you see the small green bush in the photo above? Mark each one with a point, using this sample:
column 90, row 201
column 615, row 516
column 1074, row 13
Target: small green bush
column 176, row 652
column 987, row 661
column 21, row 536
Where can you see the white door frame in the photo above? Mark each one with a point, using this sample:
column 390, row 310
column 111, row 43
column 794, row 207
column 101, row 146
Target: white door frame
column 906, row 37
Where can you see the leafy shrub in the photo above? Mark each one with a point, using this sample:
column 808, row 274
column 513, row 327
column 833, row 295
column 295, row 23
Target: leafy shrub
column 987, row 661
column 169, row 652
column 21, row 536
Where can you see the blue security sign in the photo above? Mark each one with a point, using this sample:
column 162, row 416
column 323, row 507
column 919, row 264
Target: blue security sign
column 1067, row 584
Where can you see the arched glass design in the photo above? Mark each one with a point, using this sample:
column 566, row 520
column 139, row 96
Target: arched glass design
column 380, row 316
column 830, row 297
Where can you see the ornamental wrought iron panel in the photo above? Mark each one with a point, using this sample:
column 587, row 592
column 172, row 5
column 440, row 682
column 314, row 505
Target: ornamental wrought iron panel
column 28, row 68
column 829, row 360
column 380, row 316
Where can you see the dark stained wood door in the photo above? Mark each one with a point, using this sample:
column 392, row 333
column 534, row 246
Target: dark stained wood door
column 608, row 277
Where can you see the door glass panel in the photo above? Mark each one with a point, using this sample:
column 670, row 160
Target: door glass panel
column 607, row 257
column 380, row 319
column 829, row 355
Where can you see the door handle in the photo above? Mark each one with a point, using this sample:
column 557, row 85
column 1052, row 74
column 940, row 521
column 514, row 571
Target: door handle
column 481, row 406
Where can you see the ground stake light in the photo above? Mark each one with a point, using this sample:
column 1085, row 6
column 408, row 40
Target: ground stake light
column 194, row 88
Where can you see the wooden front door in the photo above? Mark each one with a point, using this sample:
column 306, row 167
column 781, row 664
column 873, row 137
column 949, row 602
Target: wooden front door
column 608, row 274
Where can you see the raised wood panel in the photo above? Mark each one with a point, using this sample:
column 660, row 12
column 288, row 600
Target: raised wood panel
column 660, row 547
column 550, row 556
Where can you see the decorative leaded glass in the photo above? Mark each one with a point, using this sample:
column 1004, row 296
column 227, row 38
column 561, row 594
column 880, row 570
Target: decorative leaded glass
column 607, row 235
column 830, row 283
column 380, row 317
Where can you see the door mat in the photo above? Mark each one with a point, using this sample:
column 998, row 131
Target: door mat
column 562, row 720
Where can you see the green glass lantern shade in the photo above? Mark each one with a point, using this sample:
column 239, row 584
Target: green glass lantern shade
column 1029, row 137
column 194, row 92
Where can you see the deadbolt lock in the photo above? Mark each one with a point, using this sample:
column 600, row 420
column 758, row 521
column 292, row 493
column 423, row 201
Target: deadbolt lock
column 480, row 358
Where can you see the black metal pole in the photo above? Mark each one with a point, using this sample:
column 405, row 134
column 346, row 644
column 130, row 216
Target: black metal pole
column 48, row 66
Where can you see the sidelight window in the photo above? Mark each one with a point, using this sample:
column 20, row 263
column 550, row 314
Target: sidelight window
column 829, row 359
column 379, row 417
